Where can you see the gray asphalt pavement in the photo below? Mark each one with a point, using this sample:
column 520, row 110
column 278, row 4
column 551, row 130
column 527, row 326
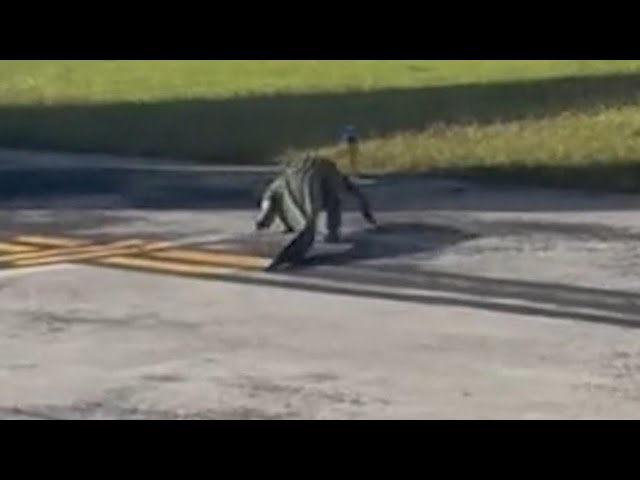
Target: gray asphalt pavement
column 470, row 301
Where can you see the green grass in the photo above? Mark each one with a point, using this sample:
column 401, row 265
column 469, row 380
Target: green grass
column 565, row 122
column 50, row 82
column 596, row 149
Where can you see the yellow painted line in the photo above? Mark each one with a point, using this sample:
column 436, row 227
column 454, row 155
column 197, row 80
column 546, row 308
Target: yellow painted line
column 157, row 255
column 89, row 253
column 42, row 241
column 163, row 250
column 213, row 258
column 161, row 266
column 157, row 246
column 13, row 248
column 63, row 242
column 60, row 252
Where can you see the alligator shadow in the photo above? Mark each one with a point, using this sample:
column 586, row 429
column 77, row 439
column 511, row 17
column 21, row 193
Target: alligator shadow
column 389, row 240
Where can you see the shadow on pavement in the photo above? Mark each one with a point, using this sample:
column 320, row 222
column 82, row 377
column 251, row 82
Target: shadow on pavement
column 548, row 300
column 551, row 300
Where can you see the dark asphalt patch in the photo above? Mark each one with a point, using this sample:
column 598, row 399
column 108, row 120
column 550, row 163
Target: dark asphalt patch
column 133, row 189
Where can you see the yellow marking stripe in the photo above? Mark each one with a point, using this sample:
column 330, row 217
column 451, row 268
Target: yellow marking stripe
column 13, row 248
column 162, row 266
column 79, row 256
column 71, row 242
column 51, row 241
column 214, row 258
column 60, row 252
column 131, row 252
